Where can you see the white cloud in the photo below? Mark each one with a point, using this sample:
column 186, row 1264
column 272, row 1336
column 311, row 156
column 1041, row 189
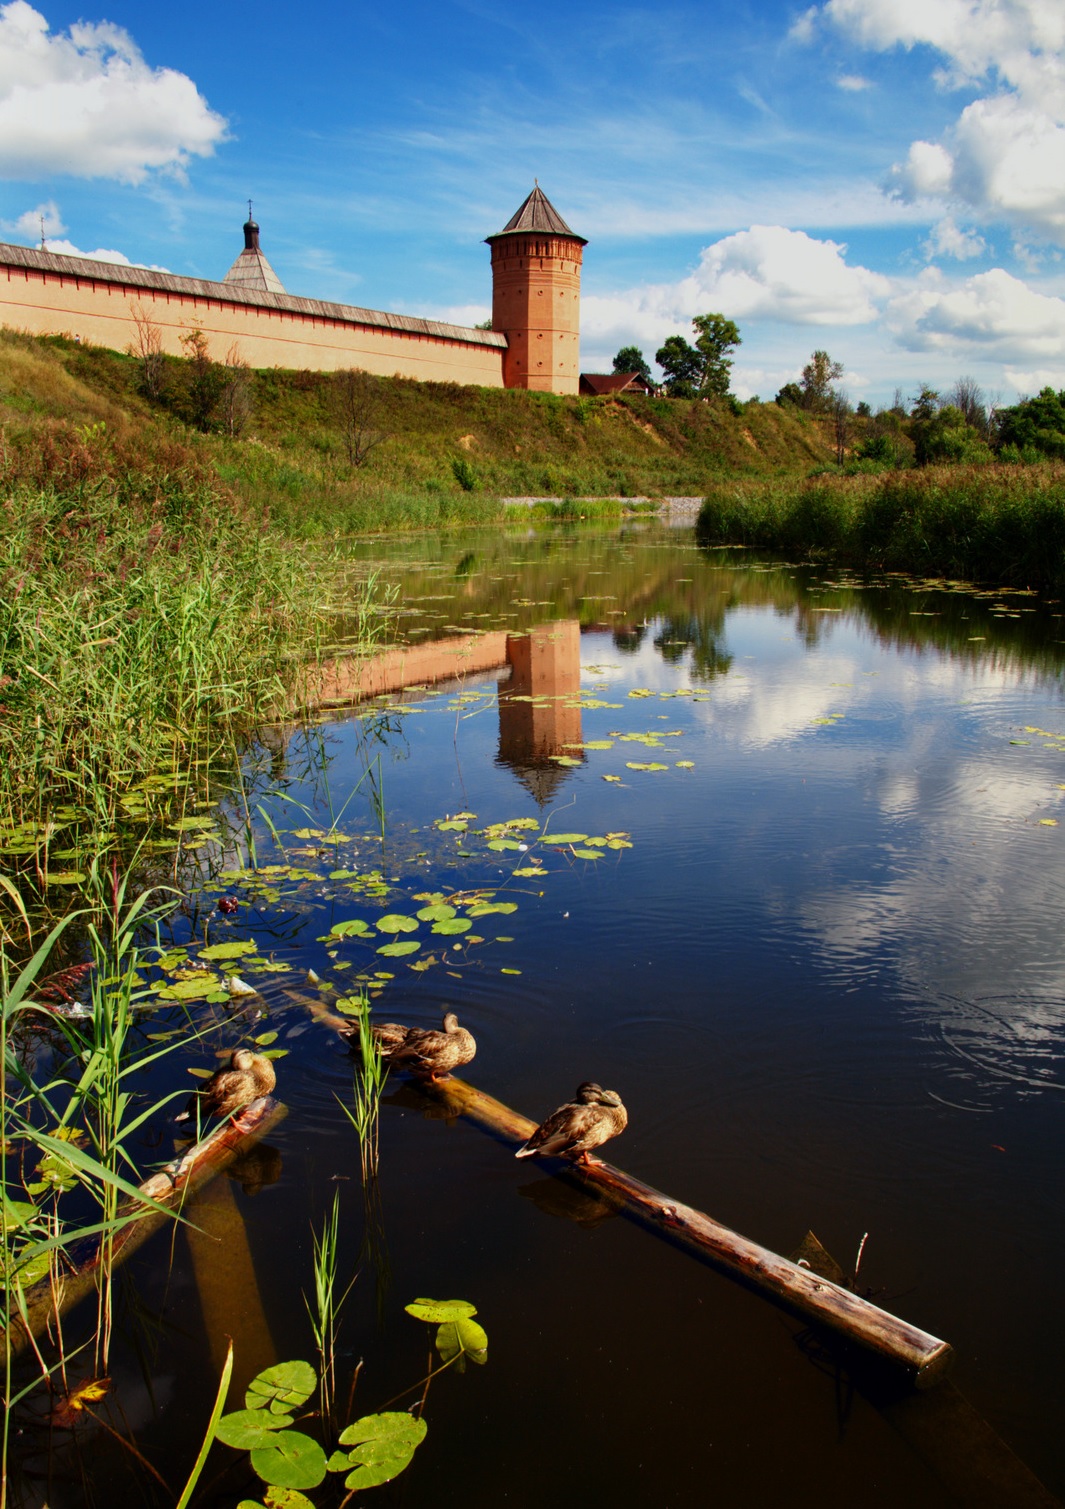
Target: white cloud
column 764, row 273
column 84, row 102
column 951, row 240
column 44, row 219
column 1004, row 156
column 853, row 83
column 992, row 313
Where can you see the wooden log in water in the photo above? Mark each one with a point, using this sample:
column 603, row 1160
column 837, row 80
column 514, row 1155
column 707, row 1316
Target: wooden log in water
column 924, row 1357
column 171, row 1186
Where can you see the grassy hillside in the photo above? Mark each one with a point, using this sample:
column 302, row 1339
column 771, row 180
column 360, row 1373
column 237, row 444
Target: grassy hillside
column 437, row 451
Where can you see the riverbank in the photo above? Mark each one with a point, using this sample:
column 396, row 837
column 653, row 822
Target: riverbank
column 1003, row 525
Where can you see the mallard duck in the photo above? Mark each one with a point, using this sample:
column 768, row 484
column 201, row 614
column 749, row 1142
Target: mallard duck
column 248, row 1077
column 424, row 1050
column 592, row 1117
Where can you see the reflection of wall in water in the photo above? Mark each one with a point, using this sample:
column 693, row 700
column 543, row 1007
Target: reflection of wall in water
column 544, row 664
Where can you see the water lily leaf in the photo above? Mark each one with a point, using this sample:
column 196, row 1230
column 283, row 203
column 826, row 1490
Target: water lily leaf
column 685, row 764
column 564, row 838
column 615, row 779
column 438, row 912
column 587, row 854
column 191, row 990
column 462, row 1336
column 290, row 1460
column 498, row 845
column 235, row 950
column 191, row 824
column 248, row 1428
column 598, row 743
column 61, row 877
column 510, row 971
column 438, row 1310
column 451, row 926
column 451, row 825
column 565, row 760
column 353, row 927
column 283, row 1387
column 383, row 1446
column 397, row 950
column 265, row 1039
column 394, row 922
column 483, row 908
column 649, row 765
column 530, row 870
column 343, row 874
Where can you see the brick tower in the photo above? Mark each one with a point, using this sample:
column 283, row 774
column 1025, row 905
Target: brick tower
column 536, row 297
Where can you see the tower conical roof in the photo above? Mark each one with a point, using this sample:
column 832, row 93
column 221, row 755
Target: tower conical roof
column 251, row 270
column 538, row 214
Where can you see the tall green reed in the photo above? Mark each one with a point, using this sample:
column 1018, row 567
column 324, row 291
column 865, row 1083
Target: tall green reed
column 325, row 1311
column 368, row 1082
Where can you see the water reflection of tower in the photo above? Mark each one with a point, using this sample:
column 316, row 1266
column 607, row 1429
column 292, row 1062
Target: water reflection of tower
column 539, row 707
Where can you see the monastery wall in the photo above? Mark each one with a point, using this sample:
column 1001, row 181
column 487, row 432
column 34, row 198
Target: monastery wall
column 47, row 294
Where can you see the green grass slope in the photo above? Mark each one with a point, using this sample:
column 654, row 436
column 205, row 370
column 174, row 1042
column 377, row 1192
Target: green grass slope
column 438, row 451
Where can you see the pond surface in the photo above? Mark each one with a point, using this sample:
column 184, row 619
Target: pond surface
column 808, row 923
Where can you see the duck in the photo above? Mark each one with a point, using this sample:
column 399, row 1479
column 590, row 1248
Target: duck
column 592, row 1117
column 249, row 1076
column 425, row 1051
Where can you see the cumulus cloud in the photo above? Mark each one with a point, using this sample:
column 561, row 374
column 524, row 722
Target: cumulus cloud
column 84, row 102
column 764, row 273
column 1004, row 156
column 992, row 313
column 950, row 240
column 853, row 83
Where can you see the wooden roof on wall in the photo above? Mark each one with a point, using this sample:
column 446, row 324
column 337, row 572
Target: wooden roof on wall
column 146, row 279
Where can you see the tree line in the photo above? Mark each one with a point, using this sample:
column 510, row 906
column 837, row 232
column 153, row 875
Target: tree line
column 963, row 425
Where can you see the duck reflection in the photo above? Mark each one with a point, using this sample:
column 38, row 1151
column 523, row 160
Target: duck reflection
column 539, row 707
column 556, row 1197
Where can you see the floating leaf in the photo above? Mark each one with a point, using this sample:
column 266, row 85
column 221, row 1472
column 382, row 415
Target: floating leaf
column 283, row 1387
column 438, row 912
column 510, row 971
column 343, row 874
column 60, row 877
column 439, row 1310
column 234, row 950
column 290, row 1460
column 395, row 923
column 248, row 1428
column 587, row 854
column 451, row 825
column 191, row 990
column 565, row 838
column 353, row 927
column 598, row 743
column 565, row 760
column 483, row 908
column 192, row 824
column 640, row 765
column 530, row 870
column 614, row 779
column 451, row 926
column 398, row 950
column 462, row 1337
column 383, row 1446
column 498, row 845
column 685, row 764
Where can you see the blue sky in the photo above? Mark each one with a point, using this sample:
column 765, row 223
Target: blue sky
column 881, row 178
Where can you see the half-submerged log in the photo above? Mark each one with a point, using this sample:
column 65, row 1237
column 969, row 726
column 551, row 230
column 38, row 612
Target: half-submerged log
column 171, row 1186
column 924, row 1357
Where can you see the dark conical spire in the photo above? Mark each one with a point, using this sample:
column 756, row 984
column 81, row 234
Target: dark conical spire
column 251, row 270
column 538, row 215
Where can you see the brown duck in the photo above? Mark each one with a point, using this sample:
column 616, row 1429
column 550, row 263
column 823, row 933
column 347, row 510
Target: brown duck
column 592, row 1117
column 248, row 1077
column 425, row 1051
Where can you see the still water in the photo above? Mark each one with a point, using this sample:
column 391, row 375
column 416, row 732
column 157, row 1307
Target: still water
column 819, row 954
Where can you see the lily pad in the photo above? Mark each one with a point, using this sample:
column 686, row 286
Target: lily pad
column 587, row 854
column 383, row 1446
column 462, row 1337
column 398, row 950
column 439, row 1310
column 438, row 912
column 564, row 838
column 290, row 1460
column 483, row 908
column 394, row 922
column 283, row 1387
column 235, row 950
column 247, row 1428
column 450, row 926
column 353, row 927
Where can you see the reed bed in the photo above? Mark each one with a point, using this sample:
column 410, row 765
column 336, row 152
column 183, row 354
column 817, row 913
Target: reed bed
column 136, row 633
column 1001, row 524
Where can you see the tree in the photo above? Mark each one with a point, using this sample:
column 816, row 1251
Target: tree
column 357, row 405
column 683, row 366
column 925, row 404
column 968, row 396
column 1034, row 427
column 632, row 359
column 236, row 395
column 818, row 376
column 205, row 378
column 716, row 337
column 947, row 438
column 701, row 370
column 839, row 406
column 148, row 349
column 790, row 393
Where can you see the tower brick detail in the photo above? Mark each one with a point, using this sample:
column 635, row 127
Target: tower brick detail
column 536, row 298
